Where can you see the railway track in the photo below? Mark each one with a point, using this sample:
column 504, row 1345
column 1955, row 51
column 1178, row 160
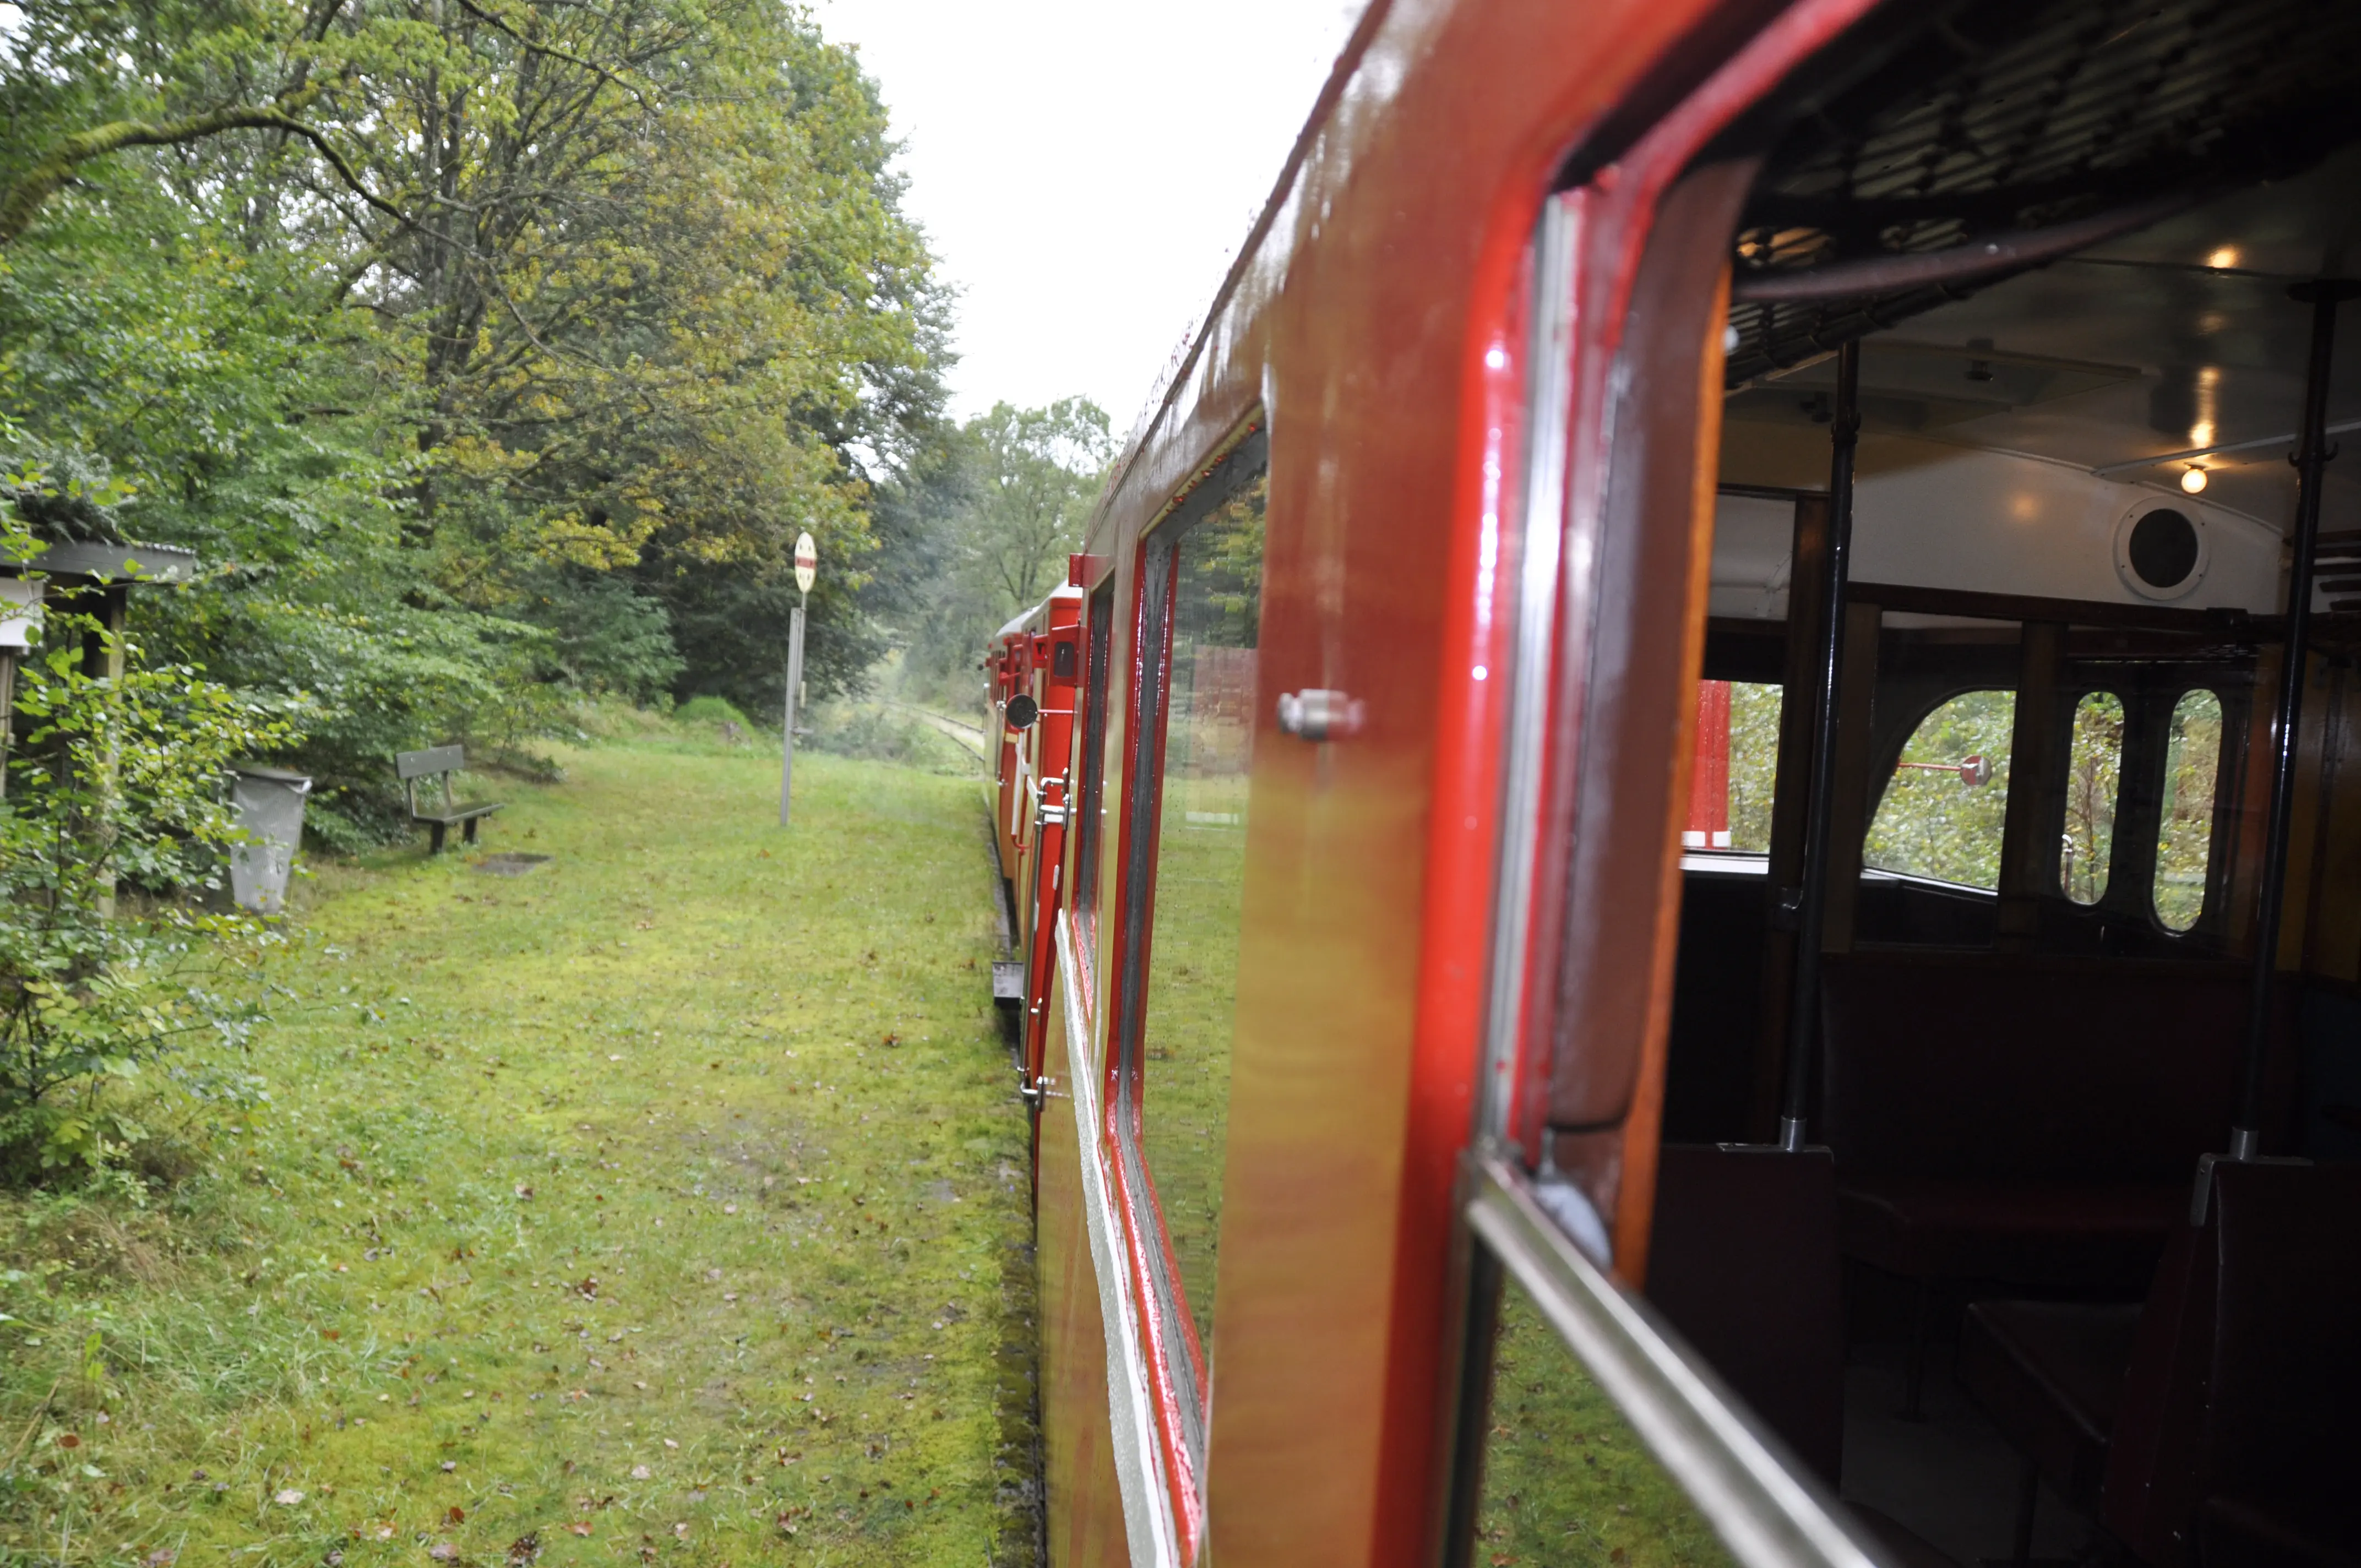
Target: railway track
column 968, row 735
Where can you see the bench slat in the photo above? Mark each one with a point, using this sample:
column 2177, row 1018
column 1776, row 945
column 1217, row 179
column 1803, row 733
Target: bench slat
column 434, row 760
column 464, row 814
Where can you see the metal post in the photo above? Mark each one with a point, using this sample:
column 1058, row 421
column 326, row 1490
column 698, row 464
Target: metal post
column 1810, row 907
column 2311, row 456
column 795, row 691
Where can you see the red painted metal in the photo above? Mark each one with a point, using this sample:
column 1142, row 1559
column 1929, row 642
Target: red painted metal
column 1057, row 657
column 1375, row 318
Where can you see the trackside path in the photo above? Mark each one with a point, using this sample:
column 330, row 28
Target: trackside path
column 664, row 1204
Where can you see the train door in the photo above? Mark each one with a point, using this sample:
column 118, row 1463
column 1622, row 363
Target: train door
column 1927, row 900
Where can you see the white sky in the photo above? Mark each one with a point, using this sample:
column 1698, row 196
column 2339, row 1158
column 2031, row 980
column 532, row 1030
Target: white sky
column 1085, row 169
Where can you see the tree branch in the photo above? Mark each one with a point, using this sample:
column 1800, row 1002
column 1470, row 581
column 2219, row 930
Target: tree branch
column 25, row 198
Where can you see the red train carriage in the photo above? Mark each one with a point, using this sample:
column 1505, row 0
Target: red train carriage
column 1697, row 888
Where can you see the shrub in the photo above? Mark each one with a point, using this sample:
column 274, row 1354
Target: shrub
column 116, row 785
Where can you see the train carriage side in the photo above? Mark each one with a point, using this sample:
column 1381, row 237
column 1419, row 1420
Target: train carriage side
column 1687, row 858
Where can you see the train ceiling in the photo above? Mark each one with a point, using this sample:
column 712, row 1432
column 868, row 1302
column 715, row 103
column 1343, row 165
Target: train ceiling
column 2009, row 123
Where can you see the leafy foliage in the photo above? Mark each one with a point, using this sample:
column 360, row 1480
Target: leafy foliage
column 982, row 528
column 1932, row 821
column 490, row 354
column 117, row 783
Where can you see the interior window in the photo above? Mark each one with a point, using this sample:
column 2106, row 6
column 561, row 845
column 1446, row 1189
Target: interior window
column 1737, row 762
column 2093, row 769
column 1201, row 863
column 1942, row 813
column 2184, row 844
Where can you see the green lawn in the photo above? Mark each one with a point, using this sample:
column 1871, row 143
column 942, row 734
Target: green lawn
column 667, row 1203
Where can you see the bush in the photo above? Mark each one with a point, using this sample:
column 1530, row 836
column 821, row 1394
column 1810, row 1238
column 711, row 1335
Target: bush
column 712, row 710
column 118, row 784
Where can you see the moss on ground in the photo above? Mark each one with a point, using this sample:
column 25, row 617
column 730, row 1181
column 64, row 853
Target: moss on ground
column 664, row 1203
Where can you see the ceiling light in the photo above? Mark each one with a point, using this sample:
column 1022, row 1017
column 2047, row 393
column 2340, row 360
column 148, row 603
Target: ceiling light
column 2192, row 479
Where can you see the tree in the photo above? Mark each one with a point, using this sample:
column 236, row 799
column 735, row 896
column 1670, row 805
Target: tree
column 541, row 304
column 992, row 512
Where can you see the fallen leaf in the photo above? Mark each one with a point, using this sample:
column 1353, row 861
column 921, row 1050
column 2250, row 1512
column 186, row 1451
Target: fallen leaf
column 525, row 1548
column 449, row 1465
column 669, row 1443
column 580, row 1527
column 384, row 1533
column 288, row 1499
column 69, row 1440
column 442, row 1552
column 641, row 1472
column 456, row 1515
column 522, row 1191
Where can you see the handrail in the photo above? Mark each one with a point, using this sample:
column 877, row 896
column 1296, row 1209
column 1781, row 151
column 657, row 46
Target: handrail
column 1765, row 1509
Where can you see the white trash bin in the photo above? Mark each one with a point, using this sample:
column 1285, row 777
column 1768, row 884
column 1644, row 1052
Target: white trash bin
column 271, row 808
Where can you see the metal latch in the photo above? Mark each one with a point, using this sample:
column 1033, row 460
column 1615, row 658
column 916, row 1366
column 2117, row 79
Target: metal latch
column 1319, row 715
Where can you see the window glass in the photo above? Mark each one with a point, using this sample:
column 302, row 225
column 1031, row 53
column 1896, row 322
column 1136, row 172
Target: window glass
column 1943, row 810
column 2094, row 757
column 1184, row 1038
column 1565, row 1480
column 1090, row 808
column 1737, row 762
column 2184, row 848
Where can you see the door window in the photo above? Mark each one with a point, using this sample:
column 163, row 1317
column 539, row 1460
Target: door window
column 2184, row 846
column 2094, row 756
column 1942, row 812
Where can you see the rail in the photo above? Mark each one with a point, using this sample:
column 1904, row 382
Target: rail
column 970, row 736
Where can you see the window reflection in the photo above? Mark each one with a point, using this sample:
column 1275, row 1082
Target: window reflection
column 1566, row 1479
column 1184, row 1038
column 2093, row 770
column 1943, row 811
column 2184, row 849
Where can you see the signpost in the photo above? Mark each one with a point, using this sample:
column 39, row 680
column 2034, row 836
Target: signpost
column 806, row 567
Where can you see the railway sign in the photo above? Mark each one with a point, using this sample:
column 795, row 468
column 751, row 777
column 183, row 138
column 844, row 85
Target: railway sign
column 806, row 562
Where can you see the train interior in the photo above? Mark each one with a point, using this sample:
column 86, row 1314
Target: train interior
column 1993, row 1297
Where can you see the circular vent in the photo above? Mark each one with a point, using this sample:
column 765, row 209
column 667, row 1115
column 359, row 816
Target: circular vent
column 2160, row 549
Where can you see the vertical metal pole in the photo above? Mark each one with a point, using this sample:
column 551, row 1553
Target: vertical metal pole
column 1812, row 899
column 2311, row 456
column 795, row 691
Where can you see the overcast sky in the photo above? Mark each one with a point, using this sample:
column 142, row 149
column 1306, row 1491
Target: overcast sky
column 1085, row 169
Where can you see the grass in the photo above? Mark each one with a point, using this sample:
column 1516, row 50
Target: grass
column 1566, row 1481
column 665, row 1203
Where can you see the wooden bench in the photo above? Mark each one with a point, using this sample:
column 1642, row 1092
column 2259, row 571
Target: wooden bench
column 440, row 762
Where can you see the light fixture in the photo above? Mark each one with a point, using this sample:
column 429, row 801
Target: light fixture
column 2192, row 480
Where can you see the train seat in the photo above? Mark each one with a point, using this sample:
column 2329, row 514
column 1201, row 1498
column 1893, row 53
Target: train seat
column 2236, row 1439
column 2050, row 1375
column 2000, row 1117
column 1743, row 1261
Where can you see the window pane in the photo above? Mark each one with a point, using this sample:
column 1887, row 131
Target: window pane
column 1090, row 796
column 1565, row 1479
column 1201, row 866
column 2184, row 849
column 1754, row 763
column 1737, row 756
column 1942, row 813
column 2093, row 768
